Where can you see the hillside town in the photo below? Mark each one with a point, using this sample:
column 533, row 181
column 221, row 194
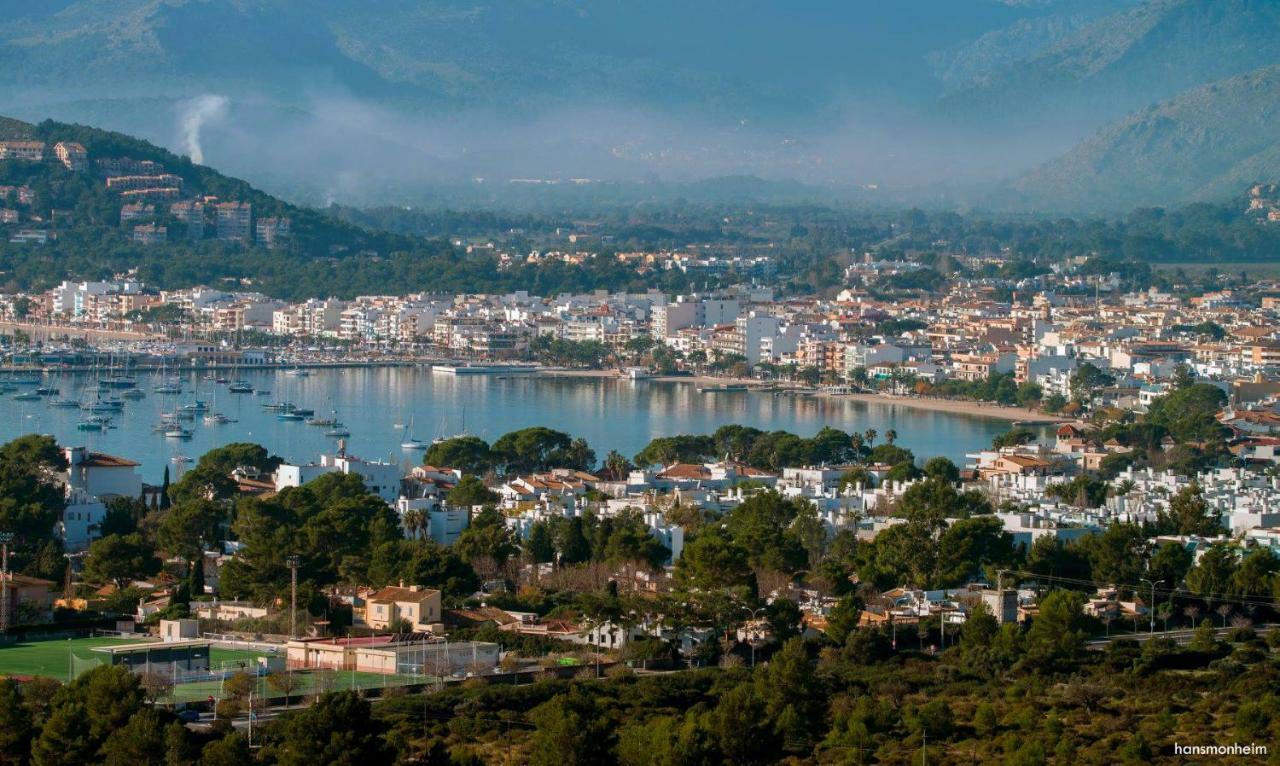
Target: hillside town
column 152, row 202
column 1137, row 485
column 572, row 383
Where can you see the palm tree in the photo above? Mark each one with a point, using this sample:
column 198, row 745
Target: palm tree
column 891, row 436
column 617, row 465
column 858, row 443
column 415, row 522
column 870, row 435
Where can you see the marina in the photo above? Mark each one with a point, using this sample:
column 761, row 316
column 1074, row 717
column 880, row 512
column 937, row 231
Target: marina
column 396, row 413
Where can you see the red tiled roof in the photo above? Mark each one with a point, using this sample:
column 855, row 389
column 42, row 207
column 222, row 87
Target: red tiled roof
column 100, row 460
column 393, row 593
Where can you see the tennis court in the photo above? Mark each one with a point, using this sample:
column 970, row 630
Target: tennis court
column 305, row 683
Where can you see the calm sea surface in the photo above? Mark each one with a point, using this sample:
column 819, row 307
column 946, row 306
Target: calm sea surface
column 610, row 414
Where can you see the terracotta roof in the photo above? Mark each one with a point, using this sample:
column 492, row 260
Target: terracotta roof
column 393, row 593
column 1025, row 461
column 685, row 471
column 99, row 460
column 480, row 615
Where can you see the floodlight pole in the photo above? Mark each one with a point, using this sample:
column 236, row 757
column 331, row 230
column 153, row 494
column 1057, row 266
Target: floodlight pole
column 293, row 597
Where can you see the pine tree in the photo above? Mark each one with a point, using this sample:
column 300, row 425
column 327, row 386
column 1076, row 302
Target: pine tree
column 15, row 725
column 64, row 740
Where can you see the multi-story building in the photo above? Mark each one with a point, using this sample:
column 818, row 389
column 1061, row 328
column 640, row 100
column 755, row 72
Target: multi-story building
column 79, row 298
column 1263, row 353
column 27, row 151
column 91, row 479
column 136, row 183
column 126, row 166
column 976, row 367
column 234, row 221
column 150, row 234
column 156, row 194
column 135, row 211
column 271, row 231
column 392, row 607
column 380, row 477
column 72, row 156
column 190, row 213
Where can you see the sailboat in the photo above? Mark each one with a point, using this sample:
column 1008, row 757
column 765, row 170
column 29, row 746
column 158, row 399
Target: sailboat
column 458, row 435
column 410, row 443
column 167, row 385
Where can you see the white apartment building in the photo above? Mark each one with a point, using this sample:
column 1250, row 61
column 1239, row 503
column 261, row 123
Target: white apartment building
column 91, row 479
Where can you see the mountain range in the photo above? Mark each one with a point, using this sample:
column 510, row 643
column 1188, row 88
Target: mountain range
column 1073, row 105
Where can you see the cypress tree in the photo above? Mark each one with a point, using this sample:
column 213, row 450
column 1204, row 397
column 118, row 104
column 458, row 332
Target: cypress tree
column 164, row 490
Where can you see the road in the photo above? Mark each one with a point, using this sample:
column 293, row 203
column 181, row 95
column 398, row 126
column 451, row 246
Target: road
column 1180, row 636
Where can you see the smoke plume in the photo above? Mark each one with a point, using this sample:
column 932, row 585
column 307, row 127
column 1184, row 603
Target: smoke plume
column 195, row 113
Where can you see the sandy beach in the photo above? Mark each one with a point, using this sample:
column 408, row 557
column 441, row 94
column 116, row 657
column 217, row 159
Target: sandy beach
column 960, row 407
column 953, row 406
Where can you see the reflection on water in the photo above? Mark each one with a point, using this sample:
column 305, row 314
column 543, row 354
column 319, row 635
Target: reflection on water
column 609, row 413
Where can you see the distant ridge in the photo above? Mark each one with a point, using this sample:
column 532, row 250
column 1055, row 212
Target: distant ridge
column 11, row 129
column 1205, row 144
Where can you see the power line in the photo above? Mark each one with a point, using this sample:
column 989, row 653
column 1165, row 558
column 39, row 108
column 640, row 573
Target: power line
column 1237, row 598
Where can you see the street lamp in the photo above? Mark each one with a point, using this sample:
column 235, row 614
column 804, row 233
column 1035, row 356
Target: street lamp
column 1152, row 607
column 5, row 539
column 750, row 640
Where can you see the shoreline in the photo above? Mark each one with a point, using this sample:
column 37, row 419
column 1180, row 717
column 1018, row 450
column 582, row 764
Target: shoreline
column 950, row 406
column 961, row 407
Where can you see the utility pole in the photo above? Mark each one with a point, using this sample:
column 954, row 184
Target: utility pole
column 1000, row 597
column 1151, row 608
column 293, row 597
column 5, row 539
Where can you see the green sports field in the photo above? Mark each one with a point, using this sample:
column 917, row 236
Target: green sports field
column 305, row 683
column 53, row 659
column 49, row 658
